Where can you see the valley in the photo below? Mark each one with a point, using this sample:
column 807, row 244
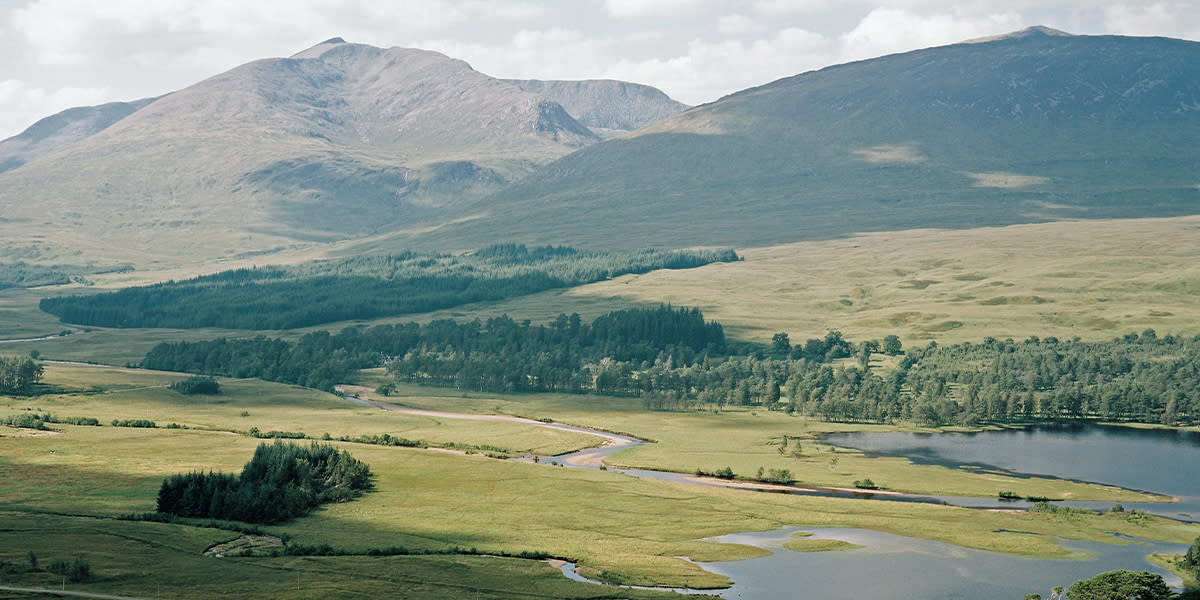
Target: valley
column 459, row 280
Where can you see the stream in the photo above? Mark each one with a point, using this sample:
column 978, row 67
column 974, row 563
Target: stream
column 892, row 566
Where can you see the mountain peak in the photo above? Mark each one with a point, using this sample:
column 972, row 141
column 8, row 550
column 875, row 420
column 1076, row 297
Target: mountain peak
column 319, row 49
column 1028, row 32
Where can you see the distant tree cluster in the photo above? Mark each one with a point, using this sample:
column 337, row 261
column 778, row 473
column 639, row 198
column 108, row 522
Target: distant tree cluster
column 1145, row 378
column 675, row 360
column 18, row 373
column 283, row 481
column 499, row 354
column 199, row 384
column 362, row 287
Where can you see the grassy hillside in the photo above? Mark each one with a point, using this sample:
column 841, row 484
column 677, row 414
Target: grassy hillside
column 1025, row 128
column 1093, row 279
column 340, row 140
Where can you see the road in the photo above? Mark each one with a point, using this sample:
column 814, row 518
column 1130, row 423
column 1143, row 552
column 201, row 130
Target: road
column 64, row 593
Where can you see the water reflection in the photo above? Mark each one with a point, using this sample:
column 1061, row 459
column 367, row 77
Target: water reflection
column 1163, row 461
column 892, row 566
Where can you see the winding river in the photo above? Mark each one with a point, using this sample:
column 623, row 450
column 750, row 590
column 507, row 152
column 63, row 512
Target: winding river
column 891, row 566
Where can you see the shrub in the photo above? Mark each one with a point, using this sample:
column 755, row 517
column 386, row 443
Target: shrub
column 196, row 385
column 147, row 423
column 27, row 421
column 76, row 570
column 281, row 482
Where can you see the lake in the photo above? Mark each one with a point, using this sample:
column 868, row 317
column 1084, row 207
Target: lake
column 1163, row 461
column 891, row 566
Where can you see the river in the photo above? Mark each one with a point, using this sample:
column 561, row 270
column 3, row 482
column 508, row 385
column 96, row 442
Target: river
column 891, row 566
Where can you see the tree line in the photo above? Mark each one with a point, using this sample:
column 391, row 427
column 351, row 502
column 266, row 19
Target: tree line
column 282, row 481
column 676, row 360
column 499, row 354
column 362, row 287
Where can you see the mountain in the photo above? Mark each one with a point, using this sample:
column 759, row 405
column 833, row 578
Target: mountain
column 60, row 130
column 605, row 106
column 337, row 141
column 1029, row 127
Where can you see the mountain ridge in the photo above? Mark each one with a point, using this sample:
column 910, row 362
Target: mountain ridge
column 344, row 140
column 389, row 149
column 1025, row 128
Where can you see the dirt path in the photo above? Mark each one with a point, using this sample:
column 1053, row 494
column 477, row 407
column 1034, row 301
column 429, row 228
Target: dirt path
column 65, row 593
column 610, row 440
column 44, row 338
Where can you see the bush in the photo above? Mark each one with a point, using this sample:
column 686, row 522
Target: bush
column 27, row 421
column 147, row 423
column 282, row 482
column 88, row 421
column 866, row 484
column 781, row 476
column 76, row 570
column 1121, row 584
column 196, row 385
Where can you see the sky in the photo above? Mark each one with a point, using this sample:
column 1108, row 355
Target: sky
column 55, row 54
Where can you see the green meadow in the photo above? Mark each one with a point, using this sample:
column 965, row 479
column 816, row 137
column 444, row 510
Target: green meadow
column 65, row 487
column 1094, row 279
column 746, row 439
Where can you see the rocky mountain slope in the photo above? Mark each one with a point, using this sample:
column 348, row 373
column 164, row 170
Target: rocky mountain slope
column 605, row 106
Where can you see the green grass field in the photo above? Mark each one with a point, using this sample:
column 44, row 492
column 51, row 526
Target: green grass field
column 63, row 488
column 1093, row 279
column 745, row 439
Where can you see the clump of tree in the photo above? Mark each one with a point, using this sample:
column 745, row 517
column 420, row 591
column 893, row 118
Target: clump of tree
column 282, row 481
column 75, row 570
column 28, row 420
column 137, row 423
column 1191, row 559
column 1121, row 585
column 18, row 374
column 199, row 384
column 500, row 354
column 39, row 420
column 675, row 360
column 320, row 292
column 780, row 476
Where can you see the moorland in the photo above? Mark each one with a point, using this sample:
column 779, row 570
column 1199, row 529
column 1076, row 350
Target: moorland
column 1007, row 269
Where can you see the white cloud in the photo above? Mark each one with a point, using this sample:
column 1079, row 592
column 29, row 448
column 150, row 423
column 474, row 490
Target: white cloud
column 739, row 25
column 888, row 30
column 1160, row 18
column 650, row 8
column 788, row 7
column 72, row 31
column 712, row 69
column 557, row 53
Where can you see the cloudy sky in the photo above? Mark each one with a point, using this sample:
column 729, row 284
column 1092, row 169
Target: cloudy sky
column 55, row 54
